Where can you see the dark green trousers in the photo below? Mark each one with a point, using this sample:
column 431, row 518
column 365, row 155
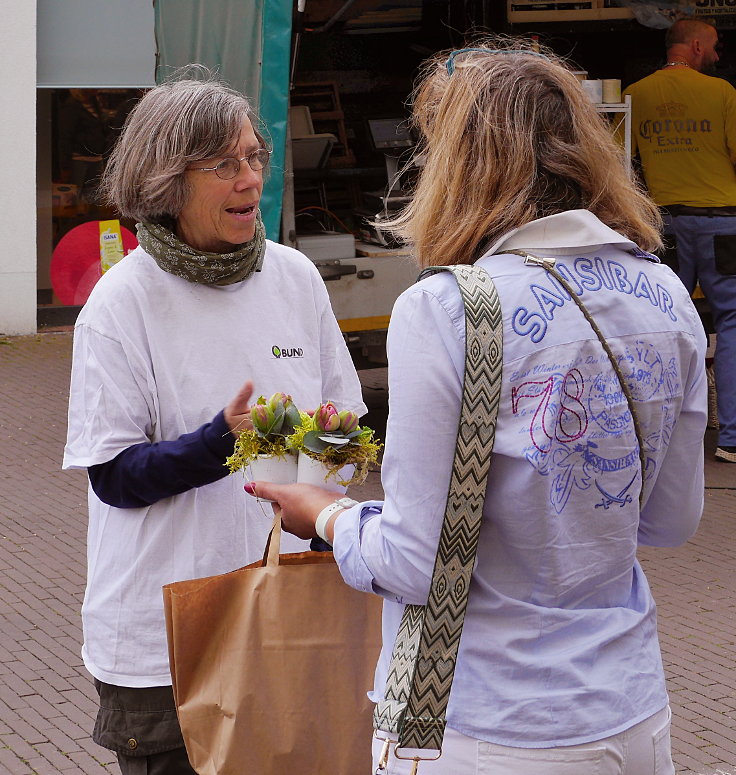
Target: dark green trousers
column 141, row 727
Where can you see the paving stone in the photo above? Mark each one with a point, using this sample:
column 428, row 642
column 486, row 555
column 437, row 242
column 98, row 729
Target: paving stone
column 68, row 727
column 88, row 765
column 20, row 747
column 11, row 764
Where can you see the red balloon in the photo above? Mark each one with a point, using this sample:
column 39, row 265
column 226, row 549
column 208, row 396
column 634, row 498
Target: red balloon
column 75, row 262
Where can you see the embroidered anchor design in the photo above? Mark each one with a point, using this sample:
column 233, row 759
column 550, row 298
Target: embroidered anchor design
column 622, row 498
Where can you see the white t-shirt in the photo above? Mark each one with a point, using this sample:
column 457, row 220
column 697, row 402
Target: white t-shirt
column 156, row 356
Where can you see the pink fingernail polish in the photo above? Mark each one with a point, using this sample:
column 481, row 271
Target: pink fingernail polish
column 250, row 488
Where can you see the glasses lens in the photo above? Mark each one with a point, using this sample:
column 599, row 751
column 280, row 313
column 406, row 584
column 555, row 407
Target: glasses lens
column 227, row 168
column 259, row 159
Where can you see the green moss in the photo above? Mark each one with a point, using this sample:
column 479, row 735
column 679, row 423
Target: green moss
column 250, row 445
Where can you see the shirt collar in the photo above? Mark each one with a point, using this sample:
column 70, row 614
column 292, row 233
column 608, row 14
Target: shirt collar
column 571, row 229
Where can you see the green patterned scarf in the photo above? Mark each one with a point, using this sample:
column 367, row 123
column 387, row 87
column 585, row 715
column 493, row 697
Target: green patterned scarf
column 178, row 258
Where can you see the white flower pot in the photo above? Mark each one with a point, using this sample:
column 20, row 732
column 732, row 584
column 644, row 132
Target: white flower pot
column 311, row 471
column 270, row 468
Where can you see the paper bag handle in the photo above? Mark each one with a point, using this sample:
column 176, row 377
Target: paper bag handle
column 273, row 544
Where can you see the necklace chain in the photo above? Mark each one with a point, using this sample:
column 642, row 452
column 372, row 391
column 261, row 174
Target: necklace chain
column 674, row 64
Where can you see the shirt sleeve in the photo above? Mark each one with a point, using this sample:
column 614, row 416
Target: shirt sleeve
column 148, row 472
column 113, row 402
column 390, row 549
column 673, row 508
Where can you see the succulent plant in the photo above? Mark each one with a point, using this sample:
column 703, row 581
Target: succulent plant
column 335, row 439
column 277, row 416
column 331, row 428
column 274, row 421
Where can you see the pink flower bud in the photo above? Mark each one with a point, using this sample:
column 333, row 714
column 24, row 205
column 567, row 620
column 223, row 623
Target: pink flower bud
column 327, row 418
column 261, row 416
column 276, row 399
column 348, row 421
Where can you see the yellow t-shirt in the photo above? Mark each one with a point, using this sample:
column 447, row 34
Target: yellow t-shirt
column 683, row 124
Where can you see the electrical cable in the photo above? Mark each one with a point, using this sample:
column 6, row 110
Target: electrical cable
column 330, row 213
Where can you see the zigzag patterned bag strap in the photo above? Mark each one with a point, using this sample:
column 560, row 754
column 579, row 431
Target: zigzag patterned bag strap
column 426, row 646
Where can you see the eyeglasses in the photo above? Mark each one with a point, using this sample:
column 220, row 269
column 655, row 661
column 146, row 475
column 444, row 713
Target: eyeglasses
column 228, row 168
column 451, row 58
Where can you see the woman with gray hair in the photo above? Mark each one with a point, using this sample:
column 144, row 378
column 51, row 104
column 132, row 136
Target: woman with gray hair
column 559, row 668
column 165, row 341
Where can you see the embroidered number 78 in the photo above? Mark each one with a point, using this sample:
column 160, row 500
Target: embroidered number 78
column 559, row 413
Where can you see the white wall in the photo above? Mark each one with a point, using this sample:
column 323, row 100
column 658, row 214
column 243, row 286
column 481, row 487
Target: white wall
column 18, row 167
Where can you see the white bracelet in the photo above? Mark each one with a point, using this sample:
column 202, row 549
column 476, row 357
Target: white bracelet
column 323, row 517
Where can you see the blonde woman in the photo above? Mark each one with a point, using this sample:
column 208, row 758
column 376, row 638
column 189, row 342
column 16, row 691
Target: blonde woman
column 559, row 667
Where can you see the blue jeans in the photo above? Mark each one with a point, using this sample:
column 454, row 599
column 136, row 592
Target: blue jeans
column 706, row 253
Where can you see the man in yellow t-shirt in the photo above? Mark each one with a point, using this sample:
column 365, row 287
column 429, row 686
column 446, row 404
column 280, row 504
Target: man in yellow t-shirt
column 684, row 130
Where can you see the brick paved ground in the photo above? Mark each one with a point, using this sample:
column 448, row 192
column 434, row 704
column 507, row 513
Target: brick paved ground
column 47, row 702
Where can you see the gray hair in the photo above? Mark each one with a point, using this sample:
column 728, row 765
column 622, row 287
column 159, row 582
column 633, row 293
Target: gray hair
column 173, row 125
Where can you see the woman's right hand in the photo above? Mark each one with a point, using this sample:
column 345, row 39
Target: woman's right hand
column 237, row 412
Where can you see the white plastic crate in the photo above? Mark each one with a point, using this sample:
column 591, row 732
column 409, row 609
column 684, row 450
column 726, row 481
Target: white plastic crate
column 329, row 244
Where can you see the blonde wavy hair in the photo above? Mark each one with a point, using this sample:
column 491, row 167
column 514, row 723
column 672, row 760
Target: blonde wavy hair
column 507, row 138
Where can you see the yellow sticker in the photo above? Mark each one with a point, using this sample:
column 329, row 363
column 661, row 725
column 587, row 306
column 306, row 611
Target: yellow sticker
column 111, row 244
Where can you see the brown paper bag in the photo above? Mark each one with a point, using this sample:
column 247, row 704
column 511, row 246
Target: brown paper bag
column 271, row 664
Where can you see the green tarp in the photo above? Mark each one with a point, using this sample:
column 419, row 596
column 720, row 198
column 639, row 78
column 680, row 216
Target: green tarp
column 248, row 42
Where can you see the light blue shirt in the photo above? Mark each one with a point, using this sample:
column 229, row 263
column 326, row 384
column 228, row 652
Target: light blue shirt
column 560, row 640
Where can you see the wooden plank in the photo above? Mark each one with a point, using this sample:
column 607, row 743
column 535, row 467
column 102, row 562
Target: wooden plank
column 594, row 10
column 377, row 251
column 582, row 14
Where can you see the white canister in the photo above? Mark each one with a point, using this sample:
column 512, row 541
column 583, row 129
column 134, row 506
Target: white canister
column 611, row 90
column 594, row 90
column 271, row 468
column 311, row 471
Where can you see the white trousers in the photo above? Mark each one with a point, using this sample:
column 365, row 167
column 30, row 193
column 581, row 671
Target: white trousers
column 644, row 749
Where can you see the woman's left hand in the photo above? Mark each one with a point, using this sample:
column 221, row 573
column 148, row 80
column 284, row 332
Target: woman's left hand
column 237, row 412
column 299, row 503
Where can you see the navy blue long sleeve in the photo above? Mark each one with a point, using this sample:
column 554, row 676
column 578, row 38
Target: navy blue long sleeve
column 148, row 472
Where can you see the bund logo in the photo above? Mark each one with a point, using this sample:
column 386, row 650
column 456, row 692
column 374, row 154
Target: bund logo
column 287, row 352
